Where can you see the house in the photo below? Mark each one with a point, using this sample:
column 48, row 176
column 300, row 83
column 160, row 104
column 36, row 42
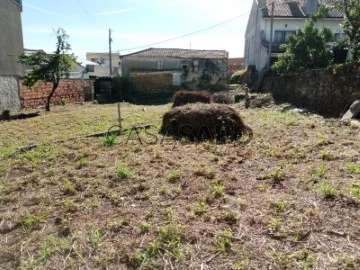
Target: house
column 282, row 18
column 99, row 65
column 157, row 69
column 11, row 46
column 235, row 64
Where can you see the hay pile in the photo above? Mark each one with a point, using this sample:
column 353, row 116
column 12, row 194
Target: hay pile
column 204, row 122
column 184, row 97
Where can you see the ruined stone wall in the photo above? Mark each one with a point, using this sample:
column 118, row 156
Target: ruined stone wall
column 327, row 92
column 152, row 84
column 71, row 90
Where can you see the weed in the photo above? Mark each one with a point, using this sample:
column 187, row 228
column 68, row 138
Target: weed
column 170, row 236
column 355, row 190
column 175, row 192
column 122, row 172
column 239, row 266
column 200, row 208
column 63, row 101
column 206, row 172
column 109, row 139
column 116, row 224
column 353, row 167
column 149, row 253
column 94, row 238
column 280, row 205
column 70, row 206
column 277, row 175
column 318, row 172
column 169, row 213
column 68, row 188
column 326, row 155
column 95, row 101
column 328, row 190
column 223, row 240
column 81, row 162
column 217, row 189
column 145, row 227
column 347, row 262
column 261, row 187
column 275, row 224
column 32, row 222
column 115, row 199
column 52, row 245
column 173, row 176
column 281, row 258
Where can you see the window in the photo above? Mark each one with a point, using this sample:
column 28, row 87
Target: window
column 283, row 36
column 339, row 36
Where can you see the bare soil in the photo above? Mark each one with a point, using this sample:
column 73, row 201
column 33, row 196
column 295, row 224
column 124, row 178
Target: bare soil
column 288, row 200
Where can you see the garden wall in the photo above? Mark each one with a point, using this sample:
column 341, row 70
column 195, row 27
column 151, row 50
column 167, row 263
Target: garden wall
column 71, row 90
column 328, row 92
column 9, row 93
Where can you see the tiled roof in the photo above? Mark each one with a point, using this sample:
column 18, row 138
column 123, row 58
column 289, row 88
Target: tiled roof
column 295, row 9
column 179, row 53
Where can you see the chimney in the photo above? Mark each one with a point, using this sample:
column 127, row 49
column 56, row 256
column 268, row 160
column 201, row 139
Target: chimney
column 311, row 6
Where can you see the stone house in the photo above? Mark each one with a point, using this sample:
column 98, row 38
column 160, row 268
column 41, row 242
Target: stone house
column 157, row 69
column 11, row 46
column 288, row 16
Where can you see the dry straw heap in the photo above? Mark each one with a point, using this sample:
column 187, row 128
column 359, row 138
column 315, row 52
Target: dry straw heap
column 204, row 122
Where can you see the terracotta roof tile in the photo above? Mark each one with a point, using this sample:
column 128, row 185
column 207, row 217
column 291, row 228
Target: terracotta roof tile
column 179, row 53
column 285, row 8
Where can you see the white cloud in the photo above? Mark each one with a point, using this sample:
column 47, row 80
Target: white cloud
column 117, row 11
column 47, row 11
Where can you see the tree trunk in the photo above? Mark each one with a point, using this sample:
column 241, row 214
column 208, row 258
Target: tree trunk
column 47, row 105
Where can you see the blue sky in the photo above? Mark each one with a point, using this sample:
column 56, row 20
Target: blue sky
column 136, row 23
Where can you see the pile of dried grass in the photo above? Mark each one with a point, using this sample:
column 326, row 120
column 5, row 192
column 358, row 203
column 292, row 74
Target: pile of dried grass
column 204, row 122
column 184, row 97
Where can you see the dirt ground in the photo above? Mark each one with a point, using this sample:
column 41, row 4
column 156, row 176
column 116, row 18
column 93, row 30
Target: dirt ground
column 288, row 200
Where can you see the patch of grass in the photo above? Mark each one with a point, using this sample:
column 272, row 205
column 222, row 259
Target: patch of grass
column 328, row 190
column 95, row 237
column 206, row 172
column 145, row 227
column 116, row 225
column 67, row 187
column 32, row 222
column 261, row 187
column 217, row 189
column 51, row 245
column 109, row 139
column 318, row 172
column 280, row 205
column 355, row 190
column 223, row 240
column 173, row 176
column 149, row 253
column 70, row 206
column 275, row 224
column 81, row 162
column 122, row 172
column 353, row 167
column 200, row 208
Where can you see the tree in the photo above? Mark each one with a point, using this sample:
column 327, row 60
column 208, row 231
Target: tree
column 351, row 26
column 307, row 49
column 49, row 68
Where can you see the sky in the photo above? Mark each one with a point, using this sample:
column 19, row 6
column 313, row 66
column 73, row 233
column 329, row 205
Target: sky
column 137, row 24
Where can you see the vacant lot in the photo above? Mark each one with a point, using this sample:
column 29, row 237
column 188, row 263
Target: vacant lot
column 288, row 200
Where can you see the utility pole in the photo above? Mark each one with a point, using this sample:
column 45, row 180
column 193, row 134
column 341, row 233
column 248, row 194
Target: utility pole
column 271, row 33
column 110, row 40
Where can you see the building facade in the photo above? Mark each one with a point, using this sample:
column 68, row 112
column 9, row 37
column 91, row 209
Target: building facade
column 11, row 38
column 287, row 17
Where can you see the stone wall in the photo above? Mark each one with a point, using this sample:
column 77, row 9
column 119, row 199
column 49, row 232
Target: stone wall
column 152, row 84
column 9, row 93
column 328, row 92
column 71, row 90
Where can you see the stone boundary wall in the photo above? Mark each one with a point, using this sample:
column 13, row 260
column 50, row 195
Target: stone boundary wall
column 327, row 92
column 9, row 93
column 71, row 90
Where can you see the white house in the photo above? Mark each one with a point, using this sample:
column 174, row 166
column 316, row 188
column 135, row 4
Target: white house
column 288, row 16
